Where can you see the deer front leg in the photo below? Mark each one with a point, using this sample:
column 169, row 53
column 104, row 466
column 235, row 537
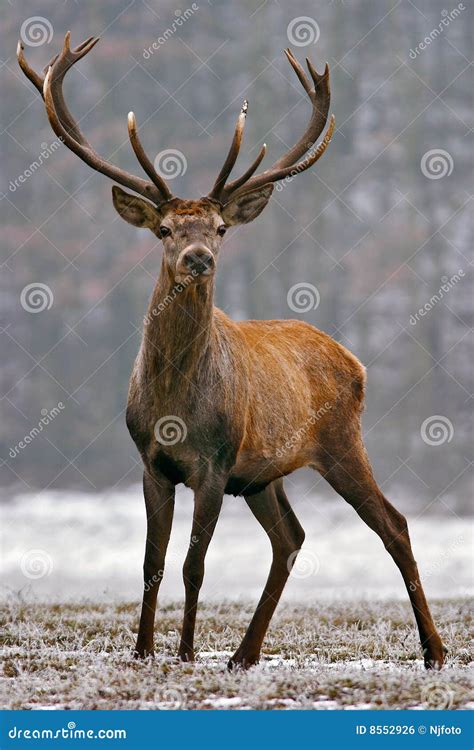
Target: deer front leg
column 207, row 506
column 159, row 502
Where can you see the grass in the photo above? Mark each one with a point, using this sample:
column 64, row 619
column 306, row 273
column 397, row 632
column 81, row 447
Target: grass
column 352, row 654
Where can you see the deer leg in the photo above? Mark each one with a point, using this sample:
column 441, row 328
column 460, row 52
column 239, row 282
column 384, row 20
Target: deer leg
column 351, row 476
column 159, row 502
column 207, row 507
column 273, row 511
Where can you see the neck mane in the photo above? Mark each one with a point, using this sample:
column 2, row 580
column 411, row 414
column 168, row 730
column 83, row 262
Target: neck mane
column 177, row 330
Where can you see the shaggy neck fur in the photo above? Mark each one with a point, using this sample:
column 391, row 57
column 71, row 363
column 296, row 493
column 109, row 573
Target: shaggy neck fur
column 178, row 331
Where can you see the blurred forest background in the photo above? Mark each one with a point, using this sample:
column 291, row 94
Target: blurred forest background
column 374, row 226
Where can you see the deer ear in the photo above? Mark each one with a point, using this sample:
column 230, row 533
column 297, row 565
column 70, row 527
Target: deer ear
column 247, row 206
column 135, row 210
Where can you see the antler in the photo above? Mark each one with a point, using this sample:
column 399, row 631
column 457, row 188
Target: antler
column 320, row 97
column 67, row 129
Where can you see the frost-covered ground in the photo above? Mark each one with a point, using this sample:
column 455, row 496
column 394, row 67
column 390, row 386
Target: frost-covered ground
column 64, row 546
column 343, row 635
column 342, row 655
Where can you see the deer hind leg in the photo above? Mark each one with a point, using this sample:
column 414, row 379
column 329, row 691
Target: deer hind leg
column 159, row 502
column 348, row 471
column 273, row 511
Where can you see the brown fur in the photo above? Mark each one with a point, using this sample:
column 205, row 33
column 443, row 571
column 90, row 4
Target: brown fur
column 254, row 401
column 259, row 399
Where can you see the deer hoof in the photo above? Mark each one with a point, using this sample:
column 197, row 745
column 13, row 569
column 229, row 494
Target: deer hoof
column 140, row 652
column 186, row 656
column 435, row 657
column 242, row 662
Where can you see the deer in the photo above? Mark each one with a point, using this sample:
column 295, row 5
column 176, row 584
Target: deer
column 212, row 401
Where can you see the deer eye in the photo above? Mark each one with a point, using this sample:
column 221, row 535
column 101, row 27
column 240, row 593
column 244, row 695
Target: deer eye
column 164, row 231
column 222, row 230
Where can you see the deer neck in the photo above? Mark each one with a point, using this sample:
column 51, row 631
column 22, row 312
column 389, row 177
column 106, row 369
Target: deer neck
column 178, row 330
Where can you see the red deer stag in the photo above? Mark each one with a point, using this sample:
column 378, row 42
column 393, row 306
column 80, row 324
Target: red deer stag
column 235, row 392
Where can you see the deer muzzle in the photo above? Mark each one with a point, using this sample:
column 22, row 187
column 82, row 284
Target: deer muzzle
column 195, row 261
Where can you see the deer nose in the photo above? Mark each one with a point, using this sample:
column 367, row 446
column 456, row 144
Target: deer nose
column 198, row 260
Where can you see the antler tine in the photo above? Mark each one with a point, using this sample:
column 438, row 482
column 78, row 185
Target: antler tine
column 67, row 129
column 317, row 77
column 232, row 155
column 61, row 63
column 247, row 174
column 144, row 160
column 64, row 60
column 317, row 88
column 34, row 77
column 320, row 97
column 298, row 70
column 274, row 175
column 87, row 41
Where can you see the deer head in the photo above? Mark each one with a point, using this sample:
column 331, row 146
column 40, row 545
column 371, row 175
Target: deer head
column 191, row 230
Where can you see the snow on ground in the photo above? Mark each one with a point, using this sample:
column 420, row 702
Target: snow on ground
column 65, row 545
column 334, row 655
column 343, row 636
